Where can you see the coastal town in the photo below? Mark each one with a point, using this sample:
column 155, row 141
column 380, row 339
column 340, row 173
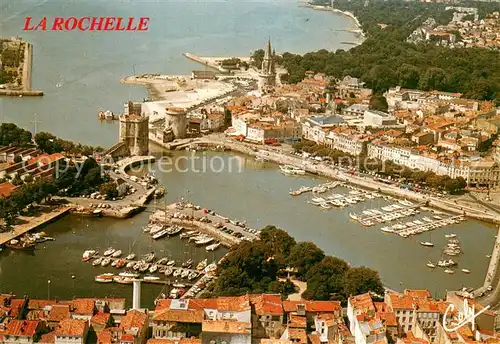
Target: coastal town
column 415, row 163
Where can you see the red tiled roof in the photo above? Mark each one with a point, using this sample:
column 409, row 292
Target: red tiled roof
column 100, row 318
column 399, row 301
column 362, row 302
column 297, row 321
column 6, row 189
column 267, row 304
column 48, row 338
column 21, row 328
column 297, row 335
column 177, row 315
column 312, row 306
column 40, row 304
column 174, row 341
column 224, row 326
column 84, row 306
column 418, row 293
column 59, row 312
column 71, row 328
column 133, row 319
column 388, row 318
column 15, row 307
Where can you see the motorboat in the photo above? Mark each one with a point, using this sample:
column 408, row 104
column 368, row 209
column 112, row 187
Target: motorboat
column 155, row 229
column 292, row 170
column 137, row 265
column 146, row 229
column 449, row 271
column 202, row 265
column 97, row 261
column 171, row 263
column 128, row 274
column 204, row 241
column 185, row 273
column 130, row 264
column 187, row 264
column 160, row 234
column 192, row 275
column 20, row 245
column 387, row 230
column 211, row 267
column 109, row 251
column 430, row 265
column 213, row 247
column 325, row 206
column 116, row 254
column 123, row 280
column 162, row 261
column 174, row 293
column 153, row 268
column 427, row 244
column 151, row 278
column 130, row 256
column 148, row 258
column 174, row 230
column 114, row 262
column 144, row 267
column 105, row 262
column 177, row 272
column 88, row 254
column 169, row 271
column 465, row 271
column 104, row 278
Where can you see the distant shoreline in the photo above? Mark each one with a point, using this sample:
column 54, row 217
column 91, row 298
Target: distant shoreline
column 348, row 14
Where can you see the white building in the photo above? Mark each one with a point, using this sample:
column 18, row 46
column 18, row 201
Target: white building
column 355, row 110
column 362, row 323
column 346, row 143
column 375, row 118
column 314, row 128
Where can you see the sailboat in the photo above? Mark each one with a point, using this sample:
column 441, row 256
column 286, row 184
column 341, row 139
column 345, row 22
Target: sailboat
column 430, row 265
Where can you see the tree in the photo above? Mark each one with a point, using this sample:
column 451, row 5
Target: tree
column 257, row 58
column 304, row 256
column 109, row 190
column 280, row 241
column 361, row 280
column 18, row 159
column 408, row 76
column 325, row 281
column 378, row 102
column 46, row 142
column 10, row 134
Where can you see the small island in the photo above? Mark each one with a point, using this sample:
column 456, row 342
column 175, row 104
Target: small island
column 16, row 58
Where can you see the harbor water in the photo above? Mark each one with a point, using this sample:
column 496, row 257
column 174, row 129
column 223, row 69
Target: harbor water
column 259, row 194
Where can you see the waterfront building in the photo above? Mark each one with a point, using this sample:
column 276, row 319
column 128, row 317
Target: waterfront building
column 316, row 128
column 267, row 74
column 176, row 122
column 21, row 331
column 346, row 140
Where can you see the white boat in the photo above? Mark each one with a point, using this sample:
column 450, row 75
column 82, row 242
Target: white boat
column 174, row 230
column 192, row 275
column 109, row 251
column 123, row 280
column 98, row 261
column 387, row 230
column 160, row 234
column 450, row 236
column 168, row 271
column 177, row 272
column 88, row 254
column 105, row 262
column 146, row 229
column 148, row 258
column 448, row 271
column 116, row 254
column 153, row 268
column 151, row 278
column 130, row 256
column 426, row 243
column 104, row 278
column 465, row 271
column 430, row 265
column 130, row 264
column 204, row 241
column 114, row 262
column 211, row 267
column 325, row 206
column 128, row 274
column 185, row 273
column 155, row 229
column 368, row 212
column 289, row 169
column 171, row 263
column 213, row 247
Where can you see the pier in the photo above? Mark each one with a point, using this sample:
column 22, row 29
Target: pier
column 492, row 278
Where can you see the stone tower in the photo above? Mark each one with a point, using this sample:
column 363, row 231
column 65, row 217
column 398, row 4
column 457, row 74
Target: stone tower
column 267, row 75
column 134, row 131
column 175, row 120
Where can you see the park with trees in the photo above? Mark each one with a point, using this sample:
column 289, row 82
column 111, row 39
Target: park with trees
column 262, row 266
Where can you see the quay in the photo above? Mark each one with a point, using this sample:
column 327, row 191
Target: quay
column 280, row 157
column 492, row 279
column 32, row 224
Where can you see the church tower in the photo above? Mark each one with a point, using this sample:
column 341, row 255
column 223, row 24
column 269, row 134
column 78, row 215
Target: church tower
column 267, row 75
